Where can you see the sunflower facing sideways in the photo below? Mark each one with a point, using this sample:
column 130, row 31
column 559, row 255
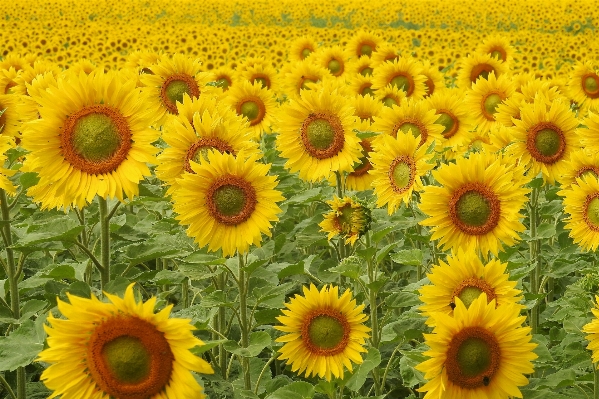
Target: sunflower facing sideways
column 482, row 352
column 120, row 349
column 583, row 86
column 325, row 333
column 228, row 202
column 98, row 144
column 477, row 208
column 317, row 134
column 255, row 103
column 397, row 165
column 349, row 218
column 465, row 276
column 581, row 202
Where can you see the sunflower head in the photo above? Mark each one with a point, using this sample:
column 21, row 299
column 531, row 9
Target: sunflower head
column 349, row 218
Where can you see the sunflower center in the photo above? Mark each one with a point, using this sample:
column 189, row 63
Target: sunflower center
column 322, row 135
column 389, row 102
column 306, row 82
column 96, row 139
column 263, row 82
column 173, row 89
column 590, row 85
column 546, row 143
column 402, row 173
column 364, row 165
column 127, row 358
column 366, row 49
column 470, row 289
column 367, row 90
column 366, row 71
column 499, row 54
column 335, row 67
column 410, row 127
column 326, row 332
column 473, row 357
column 585, row 171
column 198, row 151
column 250, row 110
column 593, row 211
column 231, row 200
column 474, row 209
column 224, row 83
column 481, row 71
column 305, row 53
column 430, row 86
column 490, row 105
column 449, row 123
column 401, row 82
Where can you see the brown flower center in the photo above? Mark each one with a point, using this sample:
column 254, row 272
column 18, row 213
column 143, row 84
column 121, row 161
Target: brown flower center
column 199, row 150
column 412, row 125
column 402, row 173
column 173, row 89
column 591, row 214
column 325, row 332
column 470, row 289
column 546, row 142
column 231, row 200
column 474, row 209
column 449, row 121
column 590, row 85
column 481, row 71
column 403, row 82
column 322, row 135
column 489, row 105
column 498, row 53
column 253, row 108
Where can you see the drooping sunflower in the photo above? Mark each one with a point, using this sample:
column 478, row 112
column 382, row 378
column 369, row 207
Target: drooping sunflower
column 582, row 162
column 120, row 349
column 228, row 202
column 583, row 85
column 362, row 44
column 317, row 134
column 581, row 202
column 477, row 208
column 411, row 116
column 498, row 47
column 172, row 78
column 212, row 126
column 477, row 66
column 91, row 140
column 464, row 276
column 484, row 98
column 325, row 332
column 301, row 48
column 397, row 165
column 255, row 103
column 349, row 218
column 545, row 137
column 405, row 74
column 481, row 352
column 6, row 143
column 453, row 115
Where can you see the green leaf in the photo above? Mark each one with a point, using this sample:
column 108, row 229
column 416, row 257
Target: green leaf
column 20, row 348
column 28, row 179
column 60, row 272
column 409, row 360
column 295, row 390
column 358, row 378
column 59, row 229
column 198, row 350
column 153, row 248
column 562, row 378
column 32, row 307
column 299, row 268
column 383, row 252
column 546, row 230
column 117, row 286
column 411, row 257
column 349, row 267
column 258, row 341
column 168, row 277
column 305, row 197
column 541, row 350
column 215, row 299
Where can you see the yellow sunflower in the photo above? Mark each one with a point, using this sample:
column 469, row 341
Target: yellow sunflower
column 228, row 202
column 8, row 80
column 497, row 46
column 317, row 134
column 545, row 137
column 17, row 61
column 120, row 349
column 581, row 202
column 477, row 208
column 453, row 115
column 142, row 60
column 361, row 85
column 583, row 85
column 348, row 218
column 384, row 53
column 91, row 140
column 479, row 66
column 592, row 330
column 265, row 75
column 481, row 352
column 582, row 162
column 10, row 115
column 325, row 333
column 464, row 276
column 361, row 66
column 332, row 58
column 484, row 98
column 590, row 135
column 225, row 77
column 255, row 103
column 302, row 76
column 172, row 78
column 84, row 65
column 363, row 44
column 434, row 79
column 397, row 165
column 213, row 127
column 390, row 96
column 6, row 143
column 405, row 74
column 31, row 72
column 411, row 116
column 301, row 48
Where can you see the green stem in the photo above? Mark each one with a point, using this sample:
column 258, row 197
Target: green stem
column 222, row 326
column 535, row 272
column 104, row 242
column 262, row 372
column 374, row 321
column 595, row 382
column 185, row 293
column 13, row 281
column 7, row 387
column 245, row 339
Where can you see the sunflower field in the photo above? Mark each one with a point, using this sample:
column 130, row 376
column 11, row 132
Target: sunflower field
column 293, row 200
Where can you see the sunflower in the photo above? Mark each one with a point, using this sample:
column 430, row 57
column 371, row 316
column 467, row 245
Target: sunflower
column 143, row 60
column 361, row 66
column 545, row 137
column 384, row 53
column 171, row 79
column 10, row 115
column 434, row 79
column 6, row 143
column 266, row 75
column 497, row 46
column 453, row 115
column 361, row 85
column 478, row 66
column 302, row 76
column 390, row 96
column 349, row 218
column 499, row 138
column 255, row 103
column 582, row 162
column 363, row 44
column 477, row 208
column 228, row 202
column 325, row 332
column 8, row 81
column 120, row 349
column 464, row 276
column 212, row 126
column 397, row 166
column 411, row 116
column 481, row 352
column 84, row 65
column 31, row 72
column 97, row 144
column 581, row 202
column 317, row 134
column 484, row 98
column 334, row 59
column 301, row 48
column 405, row 74
column 17, row 61
column 583, row 85
column 590, row 135
column 592, row 330
column 225, row 77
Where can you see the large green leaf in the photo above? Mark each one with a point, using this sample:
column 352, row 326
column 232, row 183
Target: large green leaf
column 21, row 347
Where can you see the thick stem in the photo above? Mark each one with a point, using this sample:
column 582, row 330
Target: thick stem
column 245, row 339
column 13, row 281
column 535, row 272
column 104, row 242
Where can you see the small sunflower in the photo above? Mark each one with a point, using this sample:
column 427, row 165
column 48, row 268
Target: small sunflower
column 301, row 48
column 228, row 202
column 479, row 66
column 334, row 59
column 390, row 96
column 84, row 65
column 582, row 162
column 91, row 140
column 360, row 66
column 325, row 332
column 545, row 137
column 8, row 80
column 464, row 276
column 477, row 206
column 384, row 53
column 225, row 77
column 434, row 79
column 497, row 46
column 453, row 115
column 302, row 76
column 143, row 60
column 265, row 75
column 592, row 330
column 348, row 218
column 363, row 44
column 405, row 74
column 484, row 98
column 481, row 352
column 397, row 165
column 255, row 103
column 583, row 86
column 361, row 85
column 411, row 116
column 317, row 134
column 120, row 349
column 581, row 202
column 6, row 143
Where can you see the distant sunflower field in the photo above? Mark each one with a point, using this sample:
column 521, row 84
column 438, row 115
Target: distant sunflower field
column 296, row 200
